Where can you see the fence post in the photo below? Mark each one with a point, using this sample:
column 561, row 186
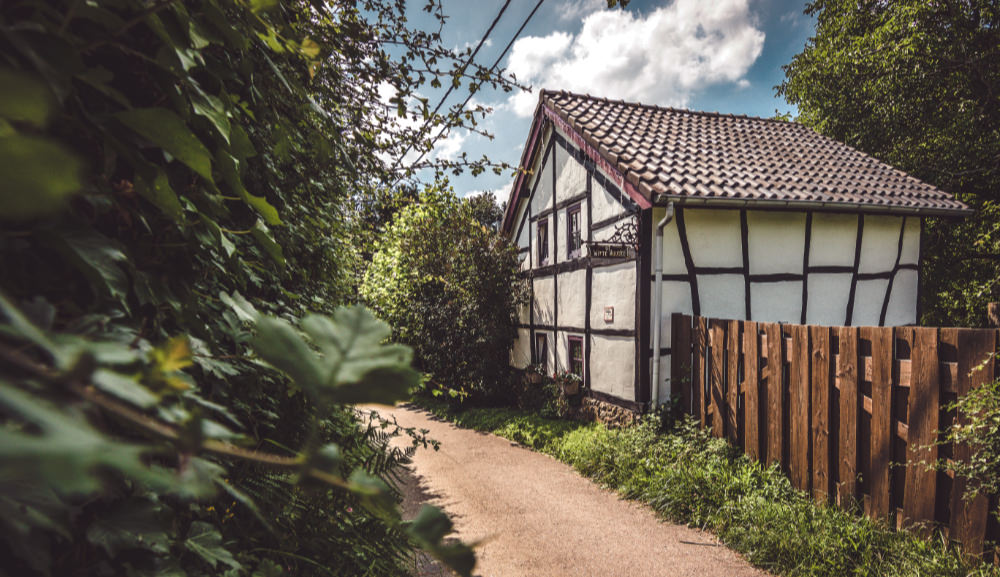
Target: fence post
column 751, row 390
column 821, row 385
column 881, row 423
column 798, row 407
column 920, row 493
column 775, row 402
column 847, row 378
column 968, row 518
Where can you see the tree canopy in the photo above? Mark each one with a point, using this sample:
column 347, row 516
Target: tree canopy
column 447, row 284
column 917, row 84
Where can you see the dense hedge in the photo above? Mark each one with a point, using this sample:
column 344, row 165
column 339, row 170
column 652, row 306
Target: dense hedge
column 183, row 181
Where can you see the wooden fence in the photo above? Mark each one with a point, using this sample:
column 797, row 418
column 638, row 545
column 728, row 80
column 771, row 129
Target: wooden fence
column 851, row 414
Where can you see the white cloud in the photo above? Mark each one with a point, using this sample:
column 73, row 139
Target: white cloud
column 577, row 9
column 448, row 147
column 659, row 58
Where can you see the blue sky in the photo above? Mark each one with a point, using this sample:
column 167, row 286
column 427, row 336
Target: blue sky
column 718, row 55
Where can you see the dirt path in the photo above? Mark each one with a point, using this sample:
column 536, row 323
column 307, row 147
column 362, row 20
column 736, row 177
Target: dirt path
column 536, row 516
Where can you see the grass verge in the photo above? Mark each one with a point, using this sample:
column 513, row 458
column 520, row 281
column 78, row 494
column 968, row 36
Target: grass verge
column 689, row 477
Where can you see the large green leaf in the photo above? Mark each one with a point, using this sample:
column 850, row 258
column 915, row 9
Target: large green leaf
column 155, row 187
column 262, row 235
column 205, row 541
column 37, row 176
column 213, row 110
column 366, row 370
column 25, row 98
column 280, row 344
column 229, row 168
column 354, row 367
column 96, row 256
column 165, row 129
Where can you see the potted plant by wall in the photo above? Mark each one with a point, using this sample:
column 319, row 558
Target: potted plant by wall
column 568, row 382
column 534, row 374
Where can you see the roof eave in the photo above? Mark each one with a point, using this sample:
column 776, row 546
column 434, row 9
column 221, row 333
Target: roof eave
column 683, row 200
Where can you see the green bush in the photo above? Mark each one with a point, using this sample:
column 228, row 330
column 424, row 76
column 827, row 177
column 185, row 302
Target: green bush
column 449, row 286
column 978, row 428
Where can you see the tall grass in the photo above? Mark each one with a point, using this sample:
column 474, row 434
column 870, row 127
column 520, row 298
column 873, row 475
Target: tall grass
column 689, row 477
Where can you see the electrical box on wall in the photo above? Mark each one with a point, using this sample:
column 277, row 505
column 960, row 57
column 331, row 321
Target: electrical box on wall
column 609, row 314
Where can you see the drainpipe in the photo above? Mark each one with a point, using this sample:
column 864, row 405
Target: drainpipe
column 658, row 303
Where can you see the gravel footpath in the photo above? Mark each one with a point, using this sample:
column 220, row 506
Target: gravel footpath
column 535, row 516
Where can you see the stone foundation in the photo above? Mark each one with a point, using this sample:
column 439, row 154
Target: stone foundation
column 592, row 409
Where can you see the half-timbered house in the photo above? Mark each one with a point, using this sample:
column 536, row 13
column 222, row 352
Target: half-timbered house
column 753, row 218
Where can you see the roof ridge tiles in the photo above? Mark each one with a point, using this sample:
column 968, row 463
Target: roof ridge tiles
column 689, row 153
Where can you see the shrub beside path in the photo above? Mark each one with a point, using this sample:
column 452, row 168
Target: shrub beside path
column 536, row 516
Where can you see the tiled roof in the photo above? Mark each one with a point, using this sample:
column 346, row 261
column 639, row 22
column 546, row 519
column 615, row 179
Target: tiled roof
column 708, row 157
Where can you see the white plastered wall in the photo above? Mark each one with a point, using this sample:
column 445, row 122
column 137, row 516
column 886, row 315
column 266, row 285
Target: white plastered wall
column 833, row 239
column 573, row 299
column 714, row 237
column 903, row 301
column 612, row 366
column 672, row 255
column 613, row 286
column 776, row 243
column 879, row 244
column 520, row 353
column 544, row 300
column 605, row 204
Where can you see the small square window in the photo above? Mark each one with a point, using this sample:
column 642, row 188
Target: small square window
column 543, row 241
column 574, row 236
column 576, row 356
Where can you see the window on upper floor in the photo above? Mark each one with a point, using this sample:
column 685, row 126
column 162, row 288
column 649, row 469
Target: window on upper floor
column 574, row 235
column 543, row 241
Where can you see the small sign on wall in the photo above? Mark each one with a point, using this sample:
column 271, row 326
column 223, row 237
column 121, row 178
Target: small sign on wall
column 609, row 250
column 609, row 314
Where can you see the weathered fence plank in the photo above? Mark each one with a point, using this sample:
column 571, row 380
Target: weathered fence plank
column 921, row 480
column 775, row 402
column 847, row 376
column 717, row 401
column 820, row 395
column 975, row 368
column 881, row 423
column 798, row 406
column 732, row 382
column 700, row 357
column 751, row 388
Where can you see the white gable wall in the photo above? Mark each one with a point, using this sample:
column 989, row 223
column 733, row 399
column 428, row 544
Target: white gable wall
column 559, row 307
column 775, row 255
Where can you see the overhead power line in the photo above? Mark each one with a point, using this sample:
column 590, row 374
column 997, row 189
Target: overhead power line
column 447, row 93
column 492, row 68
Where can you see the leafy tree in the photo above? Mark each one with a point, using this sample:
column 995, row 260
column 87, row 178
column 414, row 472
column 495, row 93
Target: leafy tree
column 181, row 180
column 916, row 84
column 449, row 287
column 486, row 210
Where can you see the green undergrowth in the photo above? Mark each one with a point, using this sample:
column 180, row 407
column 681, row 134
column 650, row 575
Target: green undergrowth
column 689, row 477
